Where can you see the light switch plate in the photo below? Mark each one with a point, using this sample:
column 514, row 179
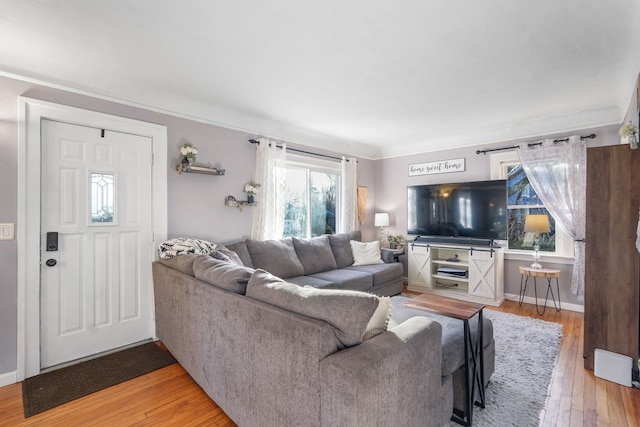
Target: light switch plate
column 6, row 231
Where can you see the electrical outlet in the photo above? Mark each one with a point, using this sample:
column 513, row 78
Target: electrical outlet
column 6, row 231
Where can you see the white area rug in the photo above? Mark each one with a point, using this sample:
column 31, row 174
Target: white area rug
column 526, row 354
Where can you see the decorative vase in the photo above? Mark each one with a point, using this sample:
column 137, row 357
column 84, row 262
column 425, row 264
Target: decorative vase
column 250, row 198
column 393, row 245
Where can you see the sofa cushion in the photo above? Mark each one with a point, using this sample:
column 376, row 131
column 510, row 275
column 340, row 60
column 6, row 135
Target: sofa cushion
column 224, row 254
column 184, row 245
column 311, row 281
column 382, row 273
column 314, row 254
column 240, row 248
column 222, row 274
column 347, row 279
column 348, row 312
column 341, row 247
column 182, row 263
column 366, row 253
column 278, row 257
column 379, row 322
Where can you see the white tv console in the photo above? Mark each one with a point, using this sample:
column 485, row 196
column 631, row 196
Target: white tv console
column 477, row 276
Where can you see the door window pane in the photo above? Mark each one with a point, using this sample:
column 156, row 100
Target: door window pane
column 102, row 197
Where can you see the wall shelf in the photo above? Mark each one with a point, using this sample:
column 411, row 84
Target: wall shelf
column 232, row 202
column 204, row 170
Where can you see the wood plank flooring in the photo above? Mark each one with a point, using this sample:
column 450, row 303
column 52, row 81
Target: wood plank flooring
column 169, row 397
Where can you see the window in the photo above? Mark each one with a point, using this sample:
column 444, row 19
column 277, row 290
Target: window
column 523, row 200
column 312, row 196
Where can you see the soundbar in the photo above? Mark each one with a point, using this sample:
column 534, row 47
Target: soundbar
column 468, row 241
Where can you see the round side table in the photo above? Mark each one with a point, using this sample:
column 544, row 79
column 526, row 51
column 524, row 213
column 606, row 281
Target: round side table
column 546, row 273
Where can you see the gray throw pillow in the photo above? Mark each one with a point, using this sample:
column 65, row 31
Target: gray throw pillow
column 223, row 254
column 342, row 249
column 222, row 274
column 315, row 254
column 240, row 248
column 278, row 257
column 348, row 312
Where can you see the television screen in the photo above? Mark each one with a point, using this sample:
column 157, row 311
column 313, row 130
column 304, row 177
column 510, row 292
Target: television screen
column 469, row 209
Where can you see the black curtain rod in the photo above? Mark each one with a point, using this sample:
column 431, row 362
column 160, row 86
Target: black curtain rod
column 533, row 144
column 253, row 141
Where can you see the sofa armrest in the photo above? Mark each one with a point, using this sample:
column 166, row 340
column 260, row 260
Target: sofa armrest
column 393, row 379
column 386, row 256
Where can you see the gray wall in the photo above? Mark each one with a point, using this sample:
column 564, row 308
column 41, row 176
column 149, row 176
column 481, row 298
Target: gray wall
column 195, row 202
column 392, row 180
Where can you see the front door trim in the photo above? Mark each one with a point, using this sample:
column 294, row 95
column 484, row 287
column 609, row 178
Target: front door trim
column 31, row 111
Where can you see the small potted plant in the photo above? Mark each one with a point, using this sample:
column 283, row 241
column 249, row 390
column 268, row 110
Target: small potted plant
column 189, row 153
column 251, row 188
column 628, row 133
column 395, row 241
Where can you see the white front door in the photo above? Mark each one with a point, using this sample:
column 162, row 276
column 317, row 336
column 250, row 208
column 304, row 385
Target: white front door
column 96, row 286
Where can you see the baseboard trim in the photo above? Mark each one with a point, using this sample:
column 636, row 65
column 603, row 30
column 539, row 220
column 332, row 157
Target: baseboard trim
column 8, row 378
column 531, row 300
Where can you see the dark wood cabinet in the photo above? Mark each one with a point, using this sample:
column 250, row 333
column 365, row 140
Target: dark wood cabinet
column 612, row 276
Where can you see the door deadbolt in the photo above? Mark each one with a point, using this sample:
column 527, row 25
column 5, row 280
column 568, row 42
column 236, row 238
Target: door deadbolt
column 51, row 262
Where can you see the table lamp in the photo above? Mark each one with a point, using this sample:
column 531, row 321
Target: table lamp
column 536, row 223
column 381, row 220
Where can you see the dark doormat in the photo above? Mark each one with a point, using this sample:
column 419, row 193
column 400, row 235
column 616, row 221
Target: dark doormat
column 46, row 391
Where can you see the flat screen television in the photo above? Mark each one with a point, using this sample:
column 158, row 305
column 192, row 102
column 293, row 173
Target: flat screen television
column 476, row 210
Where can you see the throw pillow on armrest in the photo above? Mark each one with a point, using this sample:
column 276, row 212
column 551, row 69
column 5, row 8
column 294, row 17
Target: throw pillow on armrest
column 379, row 322
column 366, row 253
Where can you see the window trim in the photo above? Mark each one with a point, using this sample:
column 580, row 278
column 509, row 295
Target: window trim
column 564, row 254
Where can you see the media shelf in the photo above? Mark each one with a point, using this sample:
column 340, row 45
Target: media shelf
column 470, row 273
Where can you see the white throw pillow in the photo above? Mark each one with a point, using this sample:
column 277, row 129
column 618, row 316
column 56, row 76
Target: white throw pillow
column 366, row 253
column 380, row 320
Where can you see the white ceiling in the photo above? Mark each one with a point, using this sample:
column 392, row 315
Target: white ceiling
column 372, row 78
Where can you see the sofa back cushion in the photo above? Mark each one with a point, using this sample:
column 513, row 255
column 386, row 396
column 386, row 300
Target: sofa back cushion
column 315, row 254
column 182, row 263
column 240, row 248
column 348, row 312
column 223, row 274
column 342, row 249
column 278, row 257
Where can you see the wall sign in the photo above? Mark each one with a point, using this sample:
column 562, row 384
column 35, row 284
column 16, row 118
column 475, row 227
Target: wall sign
column 431, row 168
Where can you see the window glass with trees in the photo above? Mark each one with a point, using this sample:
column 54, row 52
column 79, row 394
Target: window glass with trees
column 311, row 198
column 523, row 200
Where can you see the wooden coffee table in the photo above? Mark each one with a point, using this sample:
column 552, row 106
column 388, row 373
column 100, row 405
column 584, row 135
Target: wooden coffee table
column 464, row 311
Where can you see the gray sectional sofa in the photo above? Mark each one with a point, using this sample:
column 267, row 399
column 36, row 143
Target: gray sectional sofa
column 321, row 262
column 270, row 352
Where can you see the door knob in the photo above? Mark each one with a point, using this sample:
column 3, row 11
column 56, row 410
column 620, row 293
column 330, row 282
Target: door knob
column 51, row 262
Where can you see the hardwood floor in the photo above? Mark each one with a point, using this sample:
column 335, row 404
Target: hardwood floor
column 169, row 397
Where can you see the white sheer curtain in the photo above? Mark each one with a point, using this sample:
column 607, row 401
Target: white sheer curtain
column 268, row 215
column 558, row 174
column 348, row 195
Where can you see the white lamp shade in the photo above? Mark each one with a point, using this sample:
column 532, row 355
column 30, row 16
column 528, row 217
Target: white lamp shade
column 537, row 223
column 381, row 220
